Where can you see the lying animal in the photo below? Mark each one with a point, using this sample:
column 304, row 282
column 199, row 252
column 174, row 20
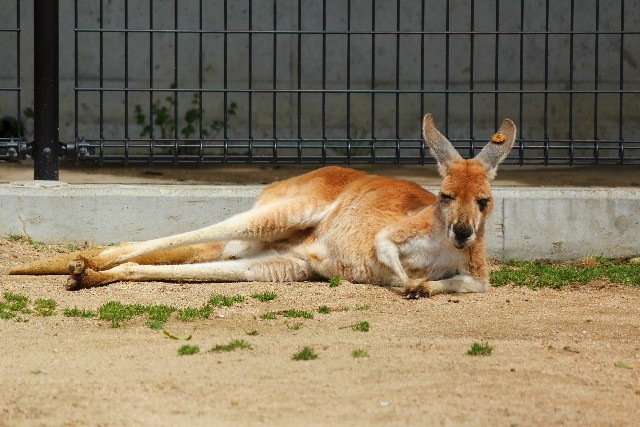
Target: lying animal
column 330, row 222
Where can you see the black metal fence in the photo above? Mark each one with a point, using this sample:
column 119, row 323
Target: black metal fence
column 347, row 81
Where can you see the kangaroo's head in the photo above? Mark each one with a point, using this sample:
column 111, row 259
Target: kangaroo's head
column 465, row 198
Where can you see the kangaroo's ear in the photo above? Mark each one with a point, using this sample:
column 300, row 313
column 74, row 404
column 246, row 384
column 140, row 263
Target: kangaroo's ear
column 439, row 145
column 498, row 149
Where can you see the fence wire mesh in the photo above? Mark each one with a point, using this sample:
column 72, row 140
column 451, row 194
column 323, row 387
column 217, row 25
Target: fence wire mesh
column 347, row 81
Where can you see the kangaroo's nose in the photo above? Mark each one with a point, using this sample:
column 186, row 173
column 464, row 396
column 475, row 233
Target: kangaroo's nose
column 462, row 231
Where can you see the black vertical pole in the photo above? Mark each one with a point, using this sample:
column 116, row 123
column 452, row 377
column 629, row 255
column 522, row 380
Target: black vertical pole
column 46, row 145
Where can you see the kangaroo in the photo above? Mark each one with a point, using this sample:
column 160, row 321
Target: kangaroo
column 330, row 222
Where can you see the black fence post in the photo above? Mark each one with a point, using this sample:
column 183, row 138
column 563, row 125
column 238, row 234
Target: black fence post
column 46, row 107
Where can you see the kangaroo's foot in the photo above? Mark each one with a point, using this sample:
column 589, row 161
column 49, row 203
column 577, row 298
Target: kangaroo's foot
column 418, row 289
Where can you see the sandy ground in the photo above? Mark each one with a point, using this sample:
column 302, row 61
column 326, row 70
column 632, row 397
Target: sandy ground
column 554, row 358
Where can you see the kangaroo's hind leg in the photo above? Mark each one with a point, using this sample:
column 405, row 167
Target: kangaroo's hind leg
column 270, row 222
column 268, row 268
column 181, row 255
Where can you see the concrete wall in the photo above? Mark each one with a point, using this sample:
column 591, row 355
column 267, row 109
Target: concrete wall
column 527, row 223
column 409, row 60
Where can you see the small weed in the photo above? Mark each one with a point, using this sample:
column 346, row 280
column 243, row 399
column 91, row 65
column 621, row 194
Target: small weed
column 478, row 349
column 24, row 238
column 72, row 247
column 361, row 326
column 117, row 312
column 294, row 313
column 335, row 281
column 233, row 345
column 158, row 315
column 265, row 296
column 360, row 353
column 188, row 314
column 306, row 353
column 4, row 314
column 76, row 312
column 253, row 333
column 622, row 365
column 16, row 302
column 324, row 309
column 45, row 307
column 37, row 372
column 155, row 324
column 294, row 326
column 188, row 349
column 363, row 307
column 268, row 316
column 218, row 300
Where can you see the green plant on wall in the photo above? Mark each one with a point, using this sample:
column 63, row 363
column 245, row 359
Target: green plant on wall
column 163, row 121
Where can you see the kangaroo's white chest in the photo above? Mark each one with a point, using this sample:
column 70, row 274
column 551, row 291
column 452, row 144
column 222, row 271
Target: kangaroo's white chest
column 433, row 256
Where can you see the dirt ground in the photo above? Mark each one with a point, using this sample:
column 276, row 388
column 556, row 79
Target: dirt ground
column 509, row 175
column 569, row 357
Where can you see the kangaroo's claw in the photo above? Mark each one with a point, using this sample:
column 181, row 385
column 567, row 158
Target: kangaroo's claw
column 418, row 290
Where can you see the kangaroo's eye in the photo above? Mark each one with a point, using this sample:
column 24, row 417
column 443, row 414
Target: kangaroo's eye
column 483, row 203
column 446, row 197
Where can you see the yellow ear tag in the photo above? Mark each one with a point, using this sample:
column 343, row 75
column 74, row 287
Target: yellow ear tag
column 498, row 138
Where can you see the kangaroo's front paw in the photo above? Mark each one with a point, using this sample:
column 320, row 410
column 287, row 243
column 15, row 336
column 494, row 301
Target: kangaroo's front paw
column 418, row 289
column 86, row 279
column 80, row 264
column 77, row 266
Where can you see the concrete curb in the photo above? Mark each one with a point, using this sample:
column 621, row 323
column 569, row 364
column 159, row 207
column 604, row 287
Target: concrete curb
column 559, row 223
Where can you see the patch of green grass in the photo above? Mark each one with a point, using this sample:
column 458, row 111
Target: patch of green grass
column 32, row 242
column 540, row 273
column 360, row 352
column 265, row 296
column 305, row 353
column 188, row 349
column 158, row 315
column 76, row 312
column 45, row 307
column 480, row 349
column 24, row 238
column 116, row 312
column 324, row 309
column 17, row 302
column 294, row 313
column 361, row 326
column 233, row 345
column 268, row 316
column 218, row 300
column 335, row 281
column 363, row 307
column 5, row 314
column 188, row 314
